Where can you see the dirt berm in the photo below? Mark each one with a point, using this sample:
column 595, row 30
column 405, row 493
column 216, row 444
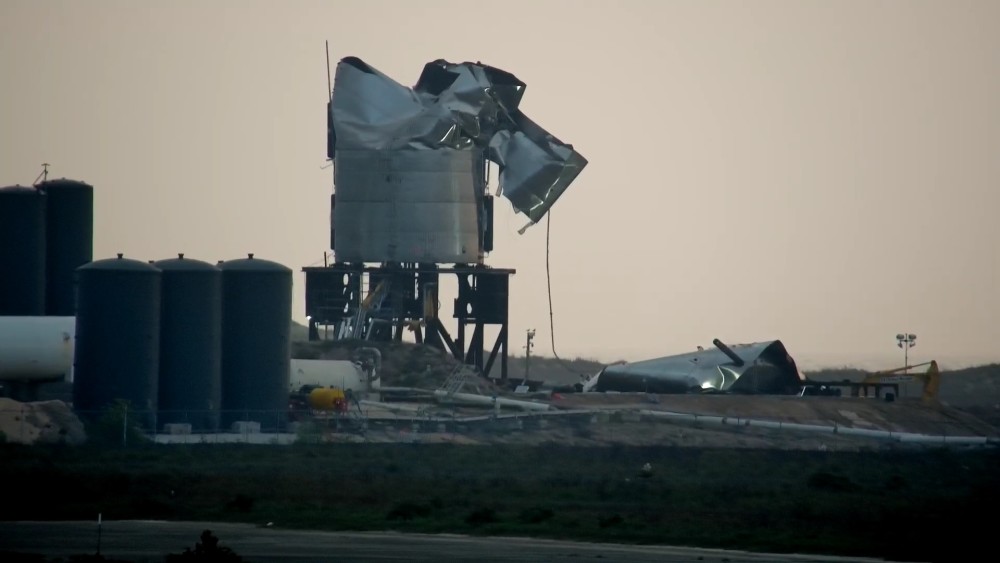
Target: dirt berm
column 42, row 422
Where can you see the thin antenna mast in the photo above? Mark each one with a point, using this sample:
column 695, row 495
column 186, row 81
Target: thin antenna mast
column 44, row 176
column 329, row 84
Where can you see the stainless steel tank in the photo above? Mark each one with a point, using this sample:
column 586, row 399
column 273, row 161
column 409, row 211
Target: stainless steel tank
column 409, row 206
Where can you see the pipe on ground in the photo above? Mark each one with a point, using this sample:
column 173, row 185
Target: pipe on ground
column 490, row 401
column 844, row 430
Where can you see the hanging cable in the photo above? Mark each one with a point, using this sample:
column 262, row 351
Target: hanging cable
column 548, row 281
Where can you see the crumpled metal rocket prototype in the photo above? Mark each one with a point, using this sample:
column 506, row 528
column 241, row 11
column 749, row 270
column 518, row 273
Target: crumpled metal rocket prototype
column 454, row 107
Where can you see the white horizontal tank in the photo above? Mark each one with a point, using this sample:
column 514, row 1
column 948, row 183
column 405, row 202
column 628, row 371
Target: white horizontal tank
column 341, row 374
column 36, row 348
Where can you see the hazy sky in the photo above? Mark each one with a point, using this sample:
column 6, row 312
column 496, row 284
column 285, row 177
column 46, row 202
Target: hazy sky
column 824, row 173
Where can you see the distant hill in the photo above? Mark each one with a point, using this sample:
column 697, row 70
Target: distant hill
column 299, row 332
column 974, row 386
column 564, row 371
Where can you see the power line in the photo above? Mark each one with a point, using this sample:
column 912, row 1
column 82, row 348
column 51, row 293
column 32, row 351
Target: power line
column 548, row 281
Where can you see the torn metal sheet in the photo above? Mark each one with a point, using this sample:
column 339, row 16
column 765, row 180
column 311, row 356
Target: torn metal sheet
column 760, row 367
column 466, row 106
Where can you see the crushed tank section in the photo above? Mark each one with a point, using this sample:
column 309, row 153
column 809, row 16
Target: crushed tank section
column 412, row 204
column 759, row 367
column 410, row 162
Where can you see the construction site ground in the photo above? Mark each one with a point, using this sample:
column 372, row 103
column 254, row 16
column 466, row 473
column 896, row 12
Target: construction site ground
column 579, row 419
column 626, row 419
column 902, row 415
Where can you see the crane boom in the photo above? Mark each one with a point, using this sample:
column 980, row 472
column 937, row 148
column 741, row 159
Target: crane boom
column 931, row 378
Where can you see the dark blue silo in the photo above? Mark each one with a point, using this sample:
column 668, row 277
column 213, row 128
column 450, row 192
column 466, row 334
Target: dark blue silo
column 69, row 233
column 22, row 251
column 190, row 379
column 117, row 350
column 256, row 327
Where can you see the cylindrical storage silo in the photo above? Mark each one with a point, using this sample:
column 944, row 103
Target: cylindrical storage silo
column 256, row 327
column 22, row 251
column 69, row 235
column 190, row 379
column 117, row 350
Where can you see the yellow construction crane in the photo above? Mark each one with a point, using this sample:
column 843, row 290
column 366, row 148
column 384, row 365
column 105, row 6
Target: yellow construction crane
column 931, row 378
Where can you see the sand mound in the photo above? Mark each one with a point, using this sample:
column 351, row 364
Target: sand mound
column 43, row 422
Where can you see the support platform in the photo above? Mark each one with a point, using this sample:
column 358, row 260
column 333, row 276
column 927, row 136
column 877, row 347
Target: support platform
column 346, row 300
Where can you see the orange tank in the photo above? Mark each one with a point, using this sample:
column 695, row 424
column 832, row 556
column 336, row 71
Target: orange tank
column 327, row 399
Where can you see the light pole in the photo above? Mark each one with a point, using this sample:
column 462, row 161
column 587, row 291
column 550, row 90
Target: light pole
column 527, row 354
column 906, row 341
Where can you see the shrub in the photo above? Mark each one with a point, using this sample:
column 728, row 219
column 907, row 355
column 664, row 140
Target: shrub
column 824, row 481
column 117, row 425
column 308, row 433
column 208, row 549
column 610, row 521
column 535, row 515
column 408, row 511
column 895, row 482
column 240, row 503
column 83, row 558
column 481, row 516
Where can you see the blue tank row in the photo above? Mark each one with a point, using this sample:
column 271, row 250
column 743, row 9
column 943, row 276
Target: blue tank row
column 46, row 233
column 185, row 338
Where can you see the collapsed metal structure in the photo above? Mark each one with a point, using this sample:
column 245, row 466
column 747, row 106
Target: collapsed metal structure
column 411, row 203
column 759, row 367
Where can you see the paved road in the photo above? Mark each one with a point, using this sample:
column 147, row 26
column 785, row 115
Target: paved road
column 142, row 540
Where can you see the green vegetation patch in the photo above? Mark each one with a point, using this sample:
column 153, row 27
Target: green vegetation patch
column 889, row 504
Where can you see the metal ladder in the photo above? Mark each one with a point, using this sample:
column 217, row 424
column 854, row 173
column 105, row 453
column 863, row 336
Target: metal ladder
column 368, row 308
column 456, row 379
